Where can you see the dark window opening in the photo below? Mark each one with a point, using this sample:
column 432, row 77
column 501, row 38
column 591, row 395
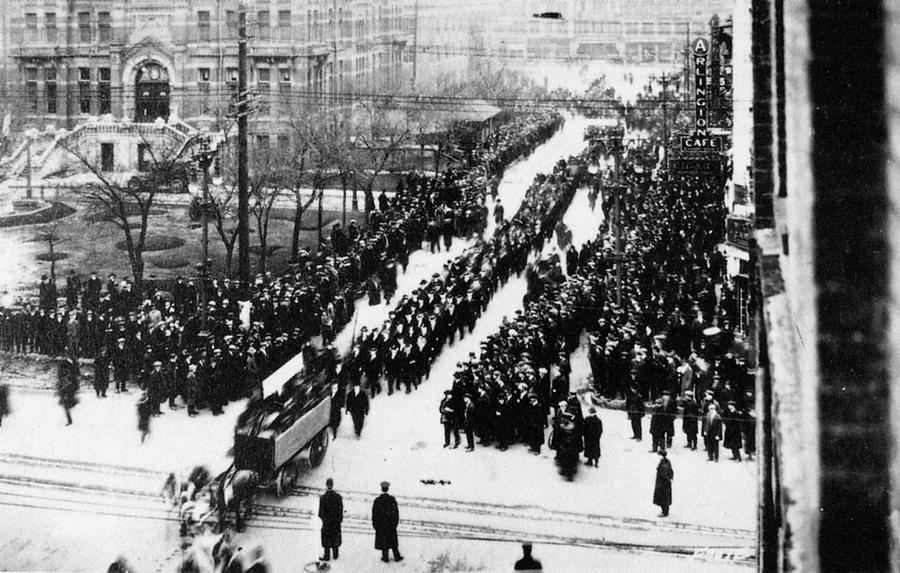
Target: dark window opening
column 107, row 157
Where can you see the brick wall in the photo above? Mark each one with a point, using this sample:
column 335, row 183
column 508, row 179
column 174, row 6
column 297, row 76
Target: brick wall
column 826, row 298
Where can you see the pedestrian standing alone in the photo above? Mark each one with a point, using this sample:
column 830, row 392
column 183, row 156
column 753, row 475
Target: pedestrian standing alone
column 357, row 407
column 67, row 385
column 591, row 430
column 144, row 411
column 4, row 401
column 385, row 517
column 448, row 419
column 662, row 492
column 527, row 562
column 331, row 512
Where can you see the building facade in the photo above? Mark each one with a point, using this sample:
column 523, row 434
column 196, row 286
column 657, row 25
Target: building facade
column 70, row 60
column 650, row 31
column 444, row 37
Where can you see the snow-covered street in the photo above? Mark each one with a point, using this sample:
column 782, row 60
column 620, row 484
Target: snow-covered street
column 475, row 505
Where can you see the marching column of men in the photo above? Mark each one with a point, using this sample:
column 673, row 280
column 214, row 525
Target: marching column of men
column 212, row 361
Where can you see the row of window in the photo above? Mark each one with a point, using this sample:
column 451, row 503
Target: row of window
column 262, row 27
column 85, row 30
column 85, row 91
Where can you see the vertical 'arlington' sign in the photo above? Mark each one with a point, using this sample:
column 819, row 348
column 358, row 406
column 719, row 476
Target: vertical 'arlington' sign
column 701, row 85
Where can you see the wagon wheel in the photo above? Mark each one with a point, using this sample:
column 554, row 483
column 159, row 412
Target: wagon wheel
column 286, row 478
column 317, row 448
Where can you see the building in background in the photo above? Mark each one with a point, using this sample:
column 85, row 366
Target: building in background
column 650, row 31
column 444, row 39
column 76, row 59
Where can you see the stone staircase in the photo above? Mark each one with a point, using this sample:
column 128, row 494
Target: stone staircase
column 48, row 147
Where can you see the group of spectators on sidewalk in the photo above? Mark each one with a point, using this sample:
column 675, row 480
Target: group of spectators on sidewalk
column 668, row 342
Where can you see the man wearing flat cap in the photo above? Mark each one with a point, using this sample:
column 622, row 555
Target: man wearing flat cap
column 385, row 517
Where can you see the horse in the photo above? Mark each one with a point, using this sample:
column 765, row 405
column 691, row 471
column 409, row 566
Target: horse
column 179, row 482
column 237, row 495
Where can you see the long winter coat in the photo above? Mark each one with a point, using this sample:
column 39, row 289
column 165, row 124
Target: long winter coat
column 662, row 493
column 331, row 512
column 689, row 418
column 732, row 439
column 385, row 517
column 592, row 430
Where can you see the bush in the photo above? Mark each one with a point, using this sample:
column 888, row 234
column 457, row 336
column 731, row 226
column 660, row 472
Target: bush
column 156, row 243
column 57, row 256
column 444, row 562
column 55, row 211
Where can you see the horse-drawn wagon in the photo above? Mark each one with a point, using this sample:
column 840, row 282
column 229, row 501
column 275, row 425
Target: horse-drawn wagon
column 285, row 429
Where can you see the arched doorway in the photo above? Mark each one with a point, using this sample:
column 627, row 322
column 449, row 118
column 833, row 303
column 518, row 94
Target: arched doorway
column 151, row 97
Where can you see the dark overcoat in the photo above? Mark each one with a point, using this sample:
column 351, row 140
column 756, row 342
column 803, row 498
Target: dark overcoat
column 385, row 517
column 331, row 512
column 592, row 430
column 662, row 493
column 733, row 432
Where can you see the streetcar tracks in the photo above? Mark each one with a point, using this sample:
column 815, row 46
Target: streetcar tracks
column 101, row 500
column 530, row 512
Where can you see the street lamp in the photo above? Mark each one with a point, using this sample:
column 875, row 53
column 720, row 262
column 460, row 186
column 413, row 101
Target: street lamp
column 30, row 134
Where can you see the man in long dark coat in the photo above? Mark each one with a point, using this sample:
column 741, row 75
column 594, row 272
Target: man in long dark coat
column 689, row 418
column 591, row 430
column 331, row 512
column 357, row 407
column 101, row 373
column 385, row 517
column 712, row 435
column 337, row 404
column 662, row 492
column 67, row 385
column 733, row 424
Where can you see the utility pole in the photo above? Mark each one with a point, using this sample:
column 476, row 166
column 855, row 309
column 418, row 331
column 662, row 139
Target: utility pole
column 243, row 195
column 617, row 154
column 415, row 61
column 204, row 161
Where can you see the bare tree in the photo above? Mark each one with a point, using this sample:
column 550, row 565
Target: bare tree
column 225, row 220
column 381, row 130
column 264, row 189
column 116, row 198
column 49, row 234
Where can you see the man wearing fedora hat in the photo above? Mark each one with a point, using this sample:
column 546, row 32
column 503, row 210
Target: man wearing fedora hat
column 385, row 517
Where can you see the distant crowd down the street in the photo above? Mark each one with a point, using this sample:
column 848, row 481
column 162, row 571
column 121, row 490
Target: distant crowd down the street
column 163, row 343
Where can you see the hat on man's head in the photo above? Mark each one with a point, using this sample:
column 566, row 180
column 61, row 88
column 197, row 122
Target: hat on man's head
column 385, row 485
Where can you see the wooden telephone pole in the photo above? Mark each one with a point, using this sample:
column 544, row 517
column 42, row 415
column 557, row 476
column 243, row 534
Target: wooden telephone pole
column 243, row 193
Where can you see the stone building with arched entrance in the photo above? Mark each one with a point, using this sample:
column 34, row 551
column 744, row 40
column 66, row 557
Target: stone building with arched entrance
column 72, row 62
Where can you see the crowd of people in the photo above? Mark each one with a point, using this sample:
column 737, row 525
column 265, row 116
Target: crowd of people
column 168, row 345
column 402, row 350
column 668, row 342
